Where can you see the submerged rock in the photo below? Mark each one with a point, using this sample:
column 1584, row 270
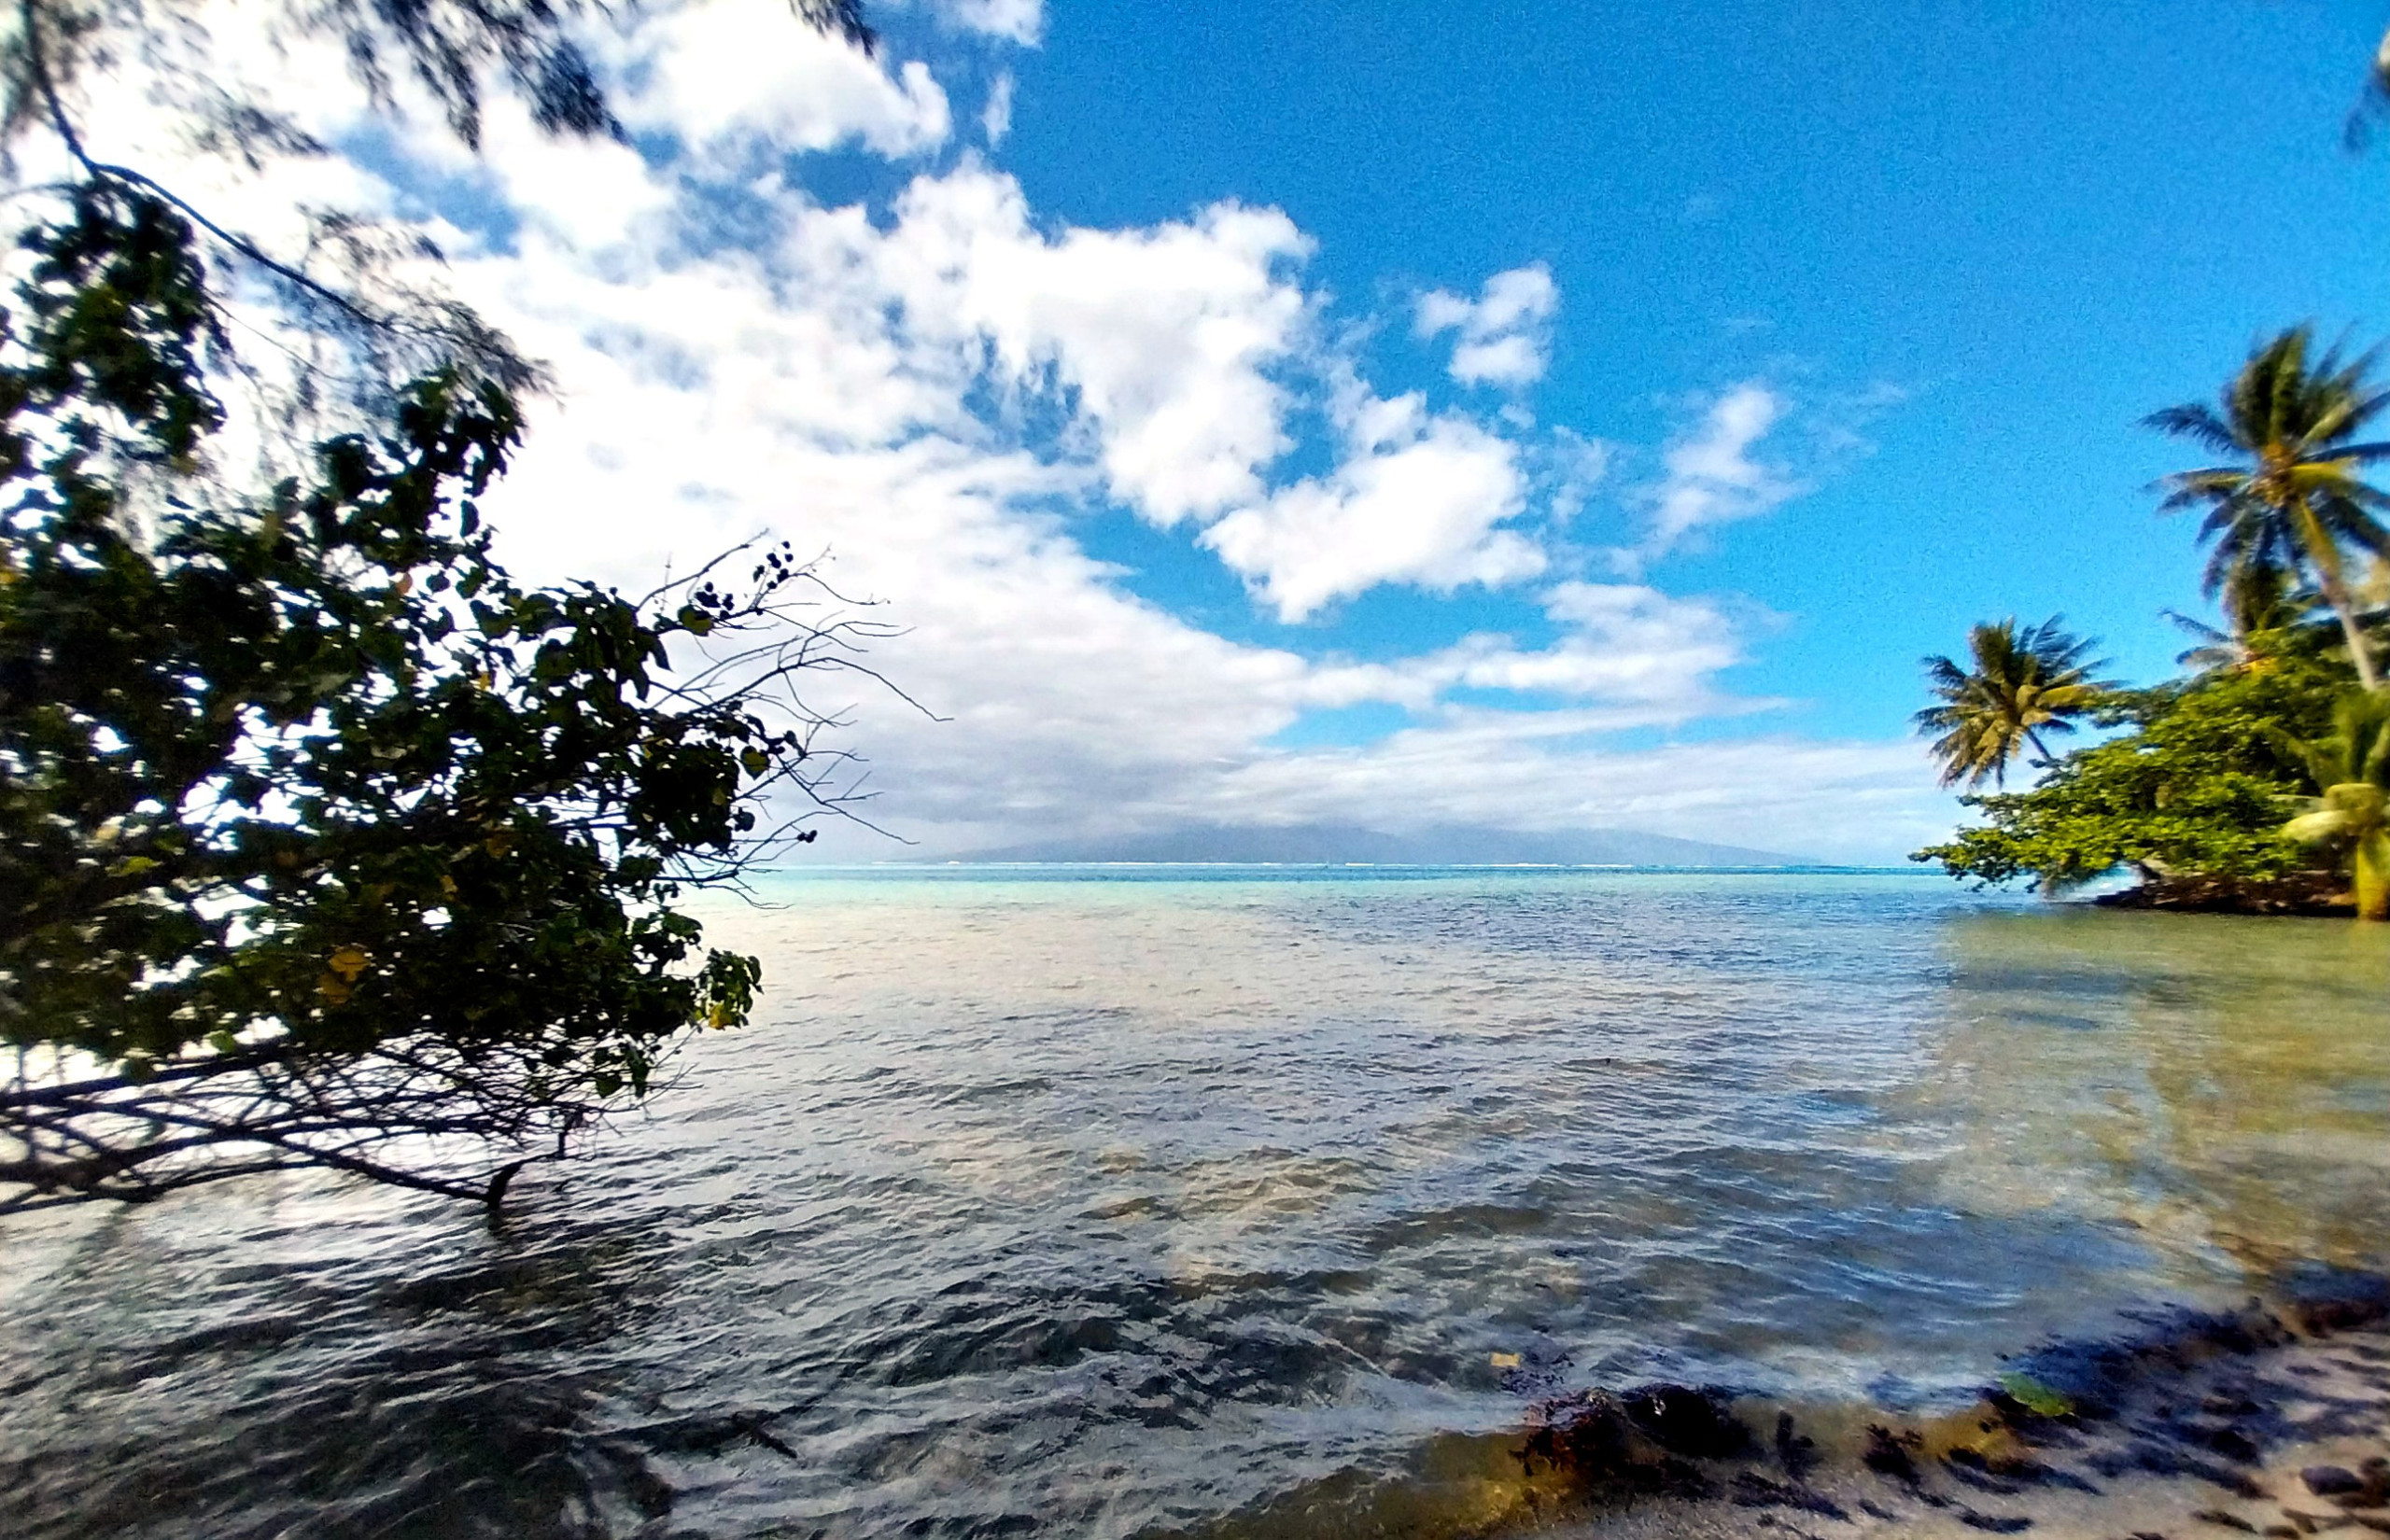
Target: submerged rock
column 2331, row 1480
column 1641, row 1440
column 2242, row 1421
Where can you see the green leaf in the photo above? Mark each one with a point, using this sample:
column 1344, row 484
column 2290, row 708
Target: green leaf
column 2034, row 1397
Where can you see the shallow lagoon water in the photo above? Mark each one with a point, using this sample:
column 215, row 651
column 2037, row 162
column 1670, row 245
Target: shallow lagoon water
column 1132, row 1202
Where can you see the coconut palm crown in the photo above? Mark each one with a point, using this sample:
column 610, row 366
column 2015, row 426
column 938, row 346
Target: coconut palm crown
column 2295, row 496
column 2351, row 768
column 2024, row 682
column 2264, row 607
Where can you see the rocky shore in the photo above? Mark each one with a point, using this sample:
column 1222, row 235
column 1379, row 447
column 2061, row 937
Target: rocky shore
column 2270, row 1420
column 2321, row 895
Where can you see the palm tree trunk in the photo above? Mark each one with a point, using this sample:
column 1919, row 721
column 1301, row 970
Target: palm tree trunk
column 2325, row 552
column 2359, row 648
column 2373, row 876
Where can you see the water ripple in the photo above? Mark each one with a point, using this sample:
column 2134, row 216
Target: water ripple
column 1110, row 1209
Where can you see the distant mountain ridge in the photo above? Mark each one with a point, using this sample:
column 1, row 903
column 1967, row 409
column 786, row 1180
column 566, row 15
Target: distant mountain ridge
column 1451, row 844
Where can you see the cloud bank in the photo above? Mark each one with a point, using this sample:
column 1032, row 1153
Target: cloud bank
column 936, row 390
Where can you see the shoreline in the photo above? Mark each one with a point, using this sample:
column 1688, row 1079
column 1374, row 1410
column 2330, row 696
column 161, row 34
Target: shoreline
column 2273, row 1419
column 2314, row 897
column 2199, row 1427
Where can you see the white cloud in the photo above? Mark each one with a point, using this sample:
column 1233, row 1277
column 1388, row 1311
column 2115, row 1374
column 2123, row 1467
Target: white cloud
column 739, row 70
column 858, row 381
column 1711, row 475
column 1021, row 21
column 1648, row 659
column 995, row 119
column 1164, row 336
column 1416, row 500
column 1505, row 334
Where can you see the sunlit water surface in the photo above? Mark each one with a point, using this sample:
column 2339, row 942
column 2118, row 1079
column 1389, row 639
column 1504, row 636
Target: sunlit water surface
column 1127, row 1205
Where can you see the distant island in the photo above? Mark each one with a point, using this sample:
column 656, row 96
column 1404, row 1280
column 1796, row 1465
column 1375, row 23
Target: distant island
column 1443, row 845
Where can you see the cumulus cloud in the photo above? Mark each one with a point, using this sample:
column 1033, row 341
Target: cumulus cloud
column 1163, row 337
column 708, row 74
column 1504, row 334
column 883, row 384
column 1713, row 475
column 1416, row 500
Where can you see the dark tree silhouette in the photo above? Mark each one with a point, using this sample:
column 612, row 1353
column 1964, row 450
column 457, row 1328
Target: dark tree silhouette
column 323, row 841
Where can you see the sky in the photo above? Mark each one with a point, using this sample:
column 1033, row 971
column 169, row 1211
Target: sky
column 1537, row 415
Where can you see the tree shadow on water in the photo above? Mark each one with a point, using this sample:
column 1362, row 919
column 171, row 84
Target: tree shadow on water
column 190, row 1394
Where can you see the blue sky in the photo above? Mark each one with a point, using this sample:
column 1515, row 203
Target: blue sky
column 1549, row 416
column 2033, row 228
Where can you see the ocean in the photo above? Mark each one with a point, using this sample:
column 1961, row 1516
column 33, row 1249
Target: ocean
column 1145, row 1201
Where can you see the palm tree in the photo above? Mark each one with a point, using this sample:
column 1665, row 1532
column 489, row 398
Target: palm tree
column 2024, row 682
column 2295, row 498
column 2351, row 768
column 2260, row 601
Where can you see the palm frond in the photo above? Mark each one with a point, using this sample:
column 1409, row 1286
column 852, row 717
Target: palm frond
column 2313, row 828
column 2198, row 424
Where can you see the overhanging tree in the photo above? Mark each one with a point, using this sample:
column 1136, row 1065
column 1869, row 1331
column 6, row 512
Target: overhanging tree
column 323, row 841
column 2194, row 791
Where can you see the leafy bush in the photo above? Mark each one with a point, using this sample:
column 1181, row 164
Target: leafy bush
column 322, row 840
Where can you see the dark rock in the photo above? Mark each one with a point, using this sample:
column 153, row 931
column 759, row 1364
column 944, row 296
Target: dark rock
column 1888, row 1454
column 2233, row 1444
column 2057, row 1476
column 2224, row 1521
column 2331, row 1480
column 1688, row 1421
column 1798, row 1455
column 1634, row 1442
column 2313, row 894
column 2324, row 1300
column 1969, row 1468
column 1757, row 1491
column 1994, row 1523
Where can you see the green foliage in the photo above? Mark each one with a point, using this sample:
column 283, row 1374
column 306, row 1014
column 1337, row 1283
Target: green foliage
column 2293, row 497
column 318, row 833
column 2035, row 1398
column 2023, row 682
column 2351, row 768
column 450, row 48
column 2200, row 782
column 2195, row 794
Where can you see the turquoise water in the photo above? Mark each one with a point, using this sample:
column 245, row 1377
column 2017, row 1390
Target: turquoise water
column 1134, row 1201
